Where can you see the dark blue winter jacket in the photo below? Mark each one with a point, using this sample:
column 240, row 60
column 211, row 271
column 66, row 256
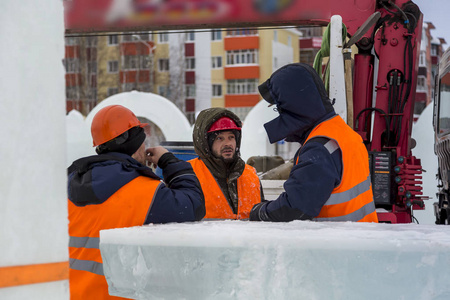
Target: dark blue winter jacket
column 94, row 179
column 302, row 103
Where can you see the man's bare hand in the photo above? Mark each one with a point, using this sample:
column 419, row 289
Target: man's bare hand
column 154, row 154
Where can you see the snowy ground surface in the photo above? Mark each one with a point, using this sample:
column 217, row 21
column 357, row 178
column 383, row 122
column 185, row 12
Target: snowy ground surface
column 296, row 260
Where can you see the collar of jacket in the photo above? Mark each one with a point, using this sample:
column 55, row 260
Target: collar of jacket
column 93, row 179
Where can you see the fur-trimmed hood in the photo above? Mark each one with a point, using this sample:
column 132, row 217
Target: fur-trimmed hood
column 200, row 138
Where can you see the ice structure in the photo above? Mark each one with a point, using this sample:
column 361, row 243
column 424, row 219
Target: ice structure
column 296, row 260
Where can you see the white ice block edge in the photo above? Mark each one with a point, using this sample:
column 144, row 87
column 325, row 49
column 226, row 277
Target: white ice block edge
column 296, row 260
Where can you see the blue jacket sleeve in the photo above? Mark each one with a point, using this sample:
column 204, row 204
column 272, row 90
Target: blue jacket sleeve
column 180, row 199
column 308, row 187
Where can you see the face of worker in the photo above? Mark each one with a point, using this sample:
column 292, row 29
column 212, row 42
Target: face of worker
column 224, row 146
column 140, row 154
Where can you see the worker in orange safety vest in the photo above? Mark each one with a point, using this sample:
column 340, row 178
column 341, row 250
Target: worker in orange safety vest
column 330, row 179
column 231, row 187
column 117, row 189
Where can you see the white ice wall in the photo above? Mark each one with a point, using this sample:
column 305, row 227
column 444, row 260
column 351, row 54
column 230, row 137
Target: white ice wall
column 422, row 132
column 33, row 205
column 254, row 137
column 203, row 71
column 155, row 108
column 262, row 260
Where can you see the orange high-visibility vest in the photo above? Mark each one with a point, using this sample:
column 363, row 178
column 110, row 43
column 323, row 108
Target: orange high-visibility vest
column 125, row 208
column 352, row 200
column 217, row 206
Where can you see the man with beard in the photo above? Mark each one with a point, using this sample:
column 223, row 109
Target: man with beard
column 230, row 186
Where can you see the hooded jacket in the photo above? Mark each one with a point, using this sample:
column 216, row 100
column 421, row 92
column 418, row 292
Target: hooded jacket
column 114, row 190
column 227, row 175
column 324, row 164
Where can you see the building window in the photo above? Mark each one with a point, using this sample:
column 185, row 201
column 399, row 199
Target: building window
column 163, row 65
column 130, row 86
column 275, row 36
column 113, row 40
column 190, row 90
column 130, row 62
column 190, row 63
column 91, row 41
column 216, row 35
column 242, row 86
column 72, row 92
column 434, row 50
column 92, row 67
column 92, row 94
column 422, row 58
column 242, row 32
column 113, row 66
column 241, row 112
column 216, row 62
column 144, row 86
column 133, row 62
column 163, row 91
column 136, row 37
column 421, row 83
column 71, row 41
column 217, row 90
column 236, row 57
column 190, row 36
column 289, row 41
column 72, row 65
column 163, row 37
column 112, row 91
column 128, row 38
column 308, row 32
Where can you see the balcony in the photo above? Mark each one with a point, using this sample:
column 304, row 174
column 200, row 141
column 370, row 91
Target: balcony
column 241, row 72
column 241, row 42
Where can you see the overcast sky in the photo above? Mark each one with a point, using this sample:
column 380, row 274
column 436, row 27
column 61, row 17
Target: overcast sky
column 437, row 12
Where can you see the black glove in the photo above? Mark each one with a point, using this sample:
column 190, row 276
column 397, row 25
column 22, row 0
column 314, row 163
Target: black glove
column 259, row 212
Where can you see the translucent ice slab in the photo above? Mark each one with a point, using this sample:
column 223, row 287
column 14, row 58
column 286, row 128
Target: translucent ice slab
column 296, row 260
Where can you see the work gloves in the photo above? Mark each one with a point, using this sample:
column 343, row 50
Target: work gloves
column 259, row 212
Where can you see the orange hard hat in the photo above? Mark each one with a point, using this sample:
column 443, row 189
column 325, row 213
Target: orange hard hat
column 111, row 121
column 224, row 123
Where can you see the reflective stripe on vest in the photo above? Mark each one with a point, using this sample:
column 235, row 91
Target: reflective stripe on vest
column 86, row 242
column 354, row 216
column 86, row 265
column 217, row 206
column 352, row 199
column 350, row 194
